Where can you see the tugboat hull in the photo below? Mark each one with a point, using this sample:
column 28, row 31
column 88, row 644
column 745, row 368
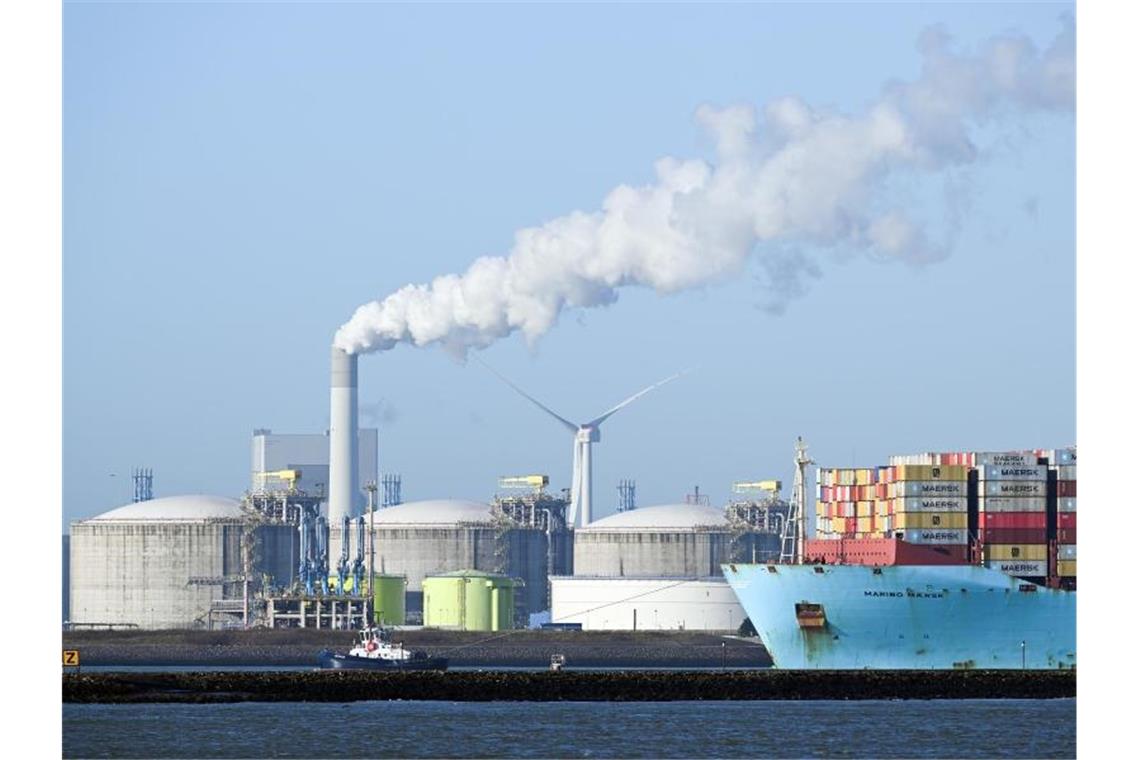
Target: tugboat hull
column 329, row 660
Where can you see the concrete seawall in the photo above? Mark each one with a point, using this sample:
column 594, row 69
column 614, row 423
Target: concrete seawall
column 653, row 686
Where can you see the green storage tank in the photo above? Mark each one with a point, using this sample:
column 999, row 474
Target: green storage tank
column 469, row 600
column 388, row 599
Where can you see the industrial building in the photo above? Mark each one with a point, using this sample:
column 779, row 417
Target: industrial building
column 669, row 541
column 174, row 562
column 426, row 538
column 308, row 454
column 645, row 604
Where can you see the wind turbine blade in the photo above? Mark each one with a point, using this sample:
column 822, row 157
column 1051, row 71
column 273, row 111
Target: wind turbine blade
column 575, row 484
column 599, row 420
column 528, row 397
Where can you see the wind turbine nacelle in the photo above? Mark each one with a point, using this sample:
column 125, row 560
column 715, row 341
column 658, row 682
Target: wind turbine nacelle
column 589, row 434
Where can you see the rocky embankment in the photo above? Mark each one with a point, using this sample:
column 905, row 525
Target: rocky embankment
column 349, row 686
column 656, row 649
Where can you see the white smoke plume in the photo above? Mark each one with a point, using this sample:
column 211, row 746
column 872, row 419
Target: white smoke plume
column 790, row 176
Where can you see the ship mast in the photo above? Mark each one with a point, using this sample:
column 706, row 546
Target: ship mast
column 792, row 540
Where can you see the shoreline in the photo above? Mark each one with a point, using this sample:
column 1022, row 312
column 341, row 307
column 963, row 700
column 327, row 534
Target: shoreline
column 524, row 648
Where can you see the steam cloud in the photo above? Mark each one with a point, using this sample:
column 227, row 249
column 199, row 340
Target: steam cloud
column 795, row 175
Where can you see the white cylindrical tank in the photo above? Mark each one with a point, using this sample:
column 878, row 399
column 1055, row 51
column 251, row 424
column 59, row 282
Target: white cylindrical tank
column 161, row 563
column 343, row 460
column 645, row 604
column 671, row 540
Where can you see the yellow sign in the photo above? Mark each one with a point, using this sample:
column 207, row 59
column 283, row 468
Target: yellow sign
column 71, row 657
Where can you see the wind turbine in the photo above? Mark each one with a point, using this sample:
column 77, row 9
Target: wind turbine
column 585, row 435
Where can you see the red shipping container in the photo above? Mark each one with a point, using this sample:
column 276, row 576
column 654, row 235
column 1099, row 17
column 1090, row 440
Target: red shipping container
column 1067, row 520
column 1013, row 536
column 1066, row 535
column 1012, row 520
column 851, row 525
column 1066, row 488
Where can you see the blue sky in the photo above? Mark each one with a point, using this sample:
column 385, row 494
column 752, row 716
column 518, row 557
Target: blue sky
column 239, row 178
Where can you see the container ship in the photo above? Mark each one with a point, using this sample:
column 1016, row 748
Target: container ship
column 937, row 560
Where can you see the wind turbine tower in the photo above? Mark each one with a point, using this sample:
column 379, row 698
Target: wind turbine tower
column 586, row 435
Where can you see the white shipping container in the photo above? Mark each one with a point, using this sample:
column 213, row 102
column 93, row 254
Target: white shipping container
column 1013, row 472
column 939, row 488
column 1063, row 456
column 1066, row 551
column 1020, row 567
column 1067, row 472
column 935, row 536
column 1011, row 504
column 1021, row 488
column 931, row 504
column 1067, row 504
column 1006, row 458
column 897, row 459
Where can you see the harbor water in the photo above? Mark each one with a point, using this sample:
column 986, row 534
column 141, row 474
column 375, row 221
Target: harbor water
column 881, row 729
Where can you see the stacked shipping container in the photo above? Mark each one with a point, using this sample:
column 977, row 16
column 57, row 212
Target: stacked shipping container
column 920, row 503
column 1002, row 502
column 1063, row 463
column 1012, row 514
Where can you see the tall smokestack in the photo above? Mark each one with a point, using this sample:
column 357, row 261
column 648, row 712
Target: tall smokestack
column 343, row 457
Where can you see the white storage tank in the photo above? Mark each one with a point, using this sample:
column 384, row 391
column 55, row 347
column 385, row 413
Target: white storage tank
column 671, row 540
column 646, row 604
column 159, row 563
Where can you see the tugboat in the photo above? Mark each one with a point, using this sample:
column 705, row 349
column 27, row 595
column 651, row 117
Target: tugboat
column 374, row 650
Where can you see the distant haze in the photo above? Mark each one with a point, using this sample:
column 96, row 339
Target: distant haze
column 790, row 174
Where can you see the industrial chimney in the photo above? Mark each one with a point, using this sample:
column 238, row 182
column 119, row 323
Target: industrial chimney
column 343, row 457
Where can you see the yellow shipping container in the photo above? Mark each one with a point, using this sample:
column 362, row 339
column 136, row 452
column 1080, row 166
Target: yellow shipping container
column 911, row 520
column 864, row 524
column 838, row 524
column 1015, row 551
column 1067, row 567
column 931, row 472
column 864, row 508
column 882, row 507
column 863, row 477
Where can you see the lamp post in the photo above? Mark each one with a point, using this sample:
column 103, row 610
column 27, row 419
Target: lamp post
column 1023, row 654
column 370, row 487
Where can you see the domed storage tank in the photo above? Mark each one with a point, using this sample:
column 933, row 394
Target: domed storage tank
column 426, row 538
column 469, row 600
column 160, row 563
column 388, row 599
column 671, row 540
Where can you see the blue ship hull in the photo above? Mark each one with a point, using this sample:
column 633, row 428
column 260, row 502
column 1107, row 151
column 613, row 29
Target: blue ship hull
column 906, row 617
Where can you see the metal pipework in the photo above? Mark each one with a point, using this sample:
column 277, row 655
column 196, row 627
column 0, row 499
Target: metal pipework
column 322, row 564
column 358, row 563
column 303, row 563
column 342, row 564
column 343, row 458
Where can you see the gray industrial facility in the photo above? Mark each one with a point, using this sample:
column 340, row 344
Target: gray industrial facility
column 308, row 454
column 425, row 538
column 172, row 562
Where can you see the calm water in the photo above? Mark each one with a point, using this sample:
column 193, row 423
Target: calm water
column 952, row 728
